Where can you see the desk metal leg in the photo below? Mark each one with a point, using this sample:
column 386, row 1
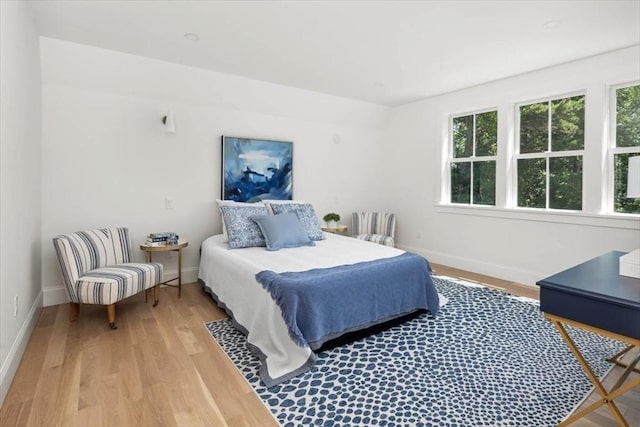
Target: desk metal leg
column 627, row 371
column 616, row 359
column 606, row 397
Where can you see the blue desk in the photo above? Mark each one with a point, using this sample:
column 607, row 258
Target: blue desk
column 593, row 296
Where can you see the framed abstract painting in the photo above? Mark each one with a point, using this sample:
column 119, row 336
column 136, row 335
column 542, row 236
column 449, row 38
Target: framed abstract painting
column 256, row 169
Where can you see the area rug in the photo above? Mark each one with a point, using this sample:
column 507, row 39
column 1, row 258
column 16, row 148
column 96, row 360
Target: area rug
column 488, row 359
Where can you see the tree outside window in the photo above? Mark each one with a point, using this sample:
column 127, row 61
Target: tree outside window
column 626, row 143
column 474, row 140
column 549, row 162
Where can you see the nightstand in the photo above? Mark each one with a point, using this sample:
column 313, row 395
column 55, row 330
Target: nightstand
column 169, row 248
column 343, row 230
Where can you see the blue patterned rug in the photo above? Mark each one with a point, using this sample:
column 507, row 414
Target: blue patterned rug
column 489, row 359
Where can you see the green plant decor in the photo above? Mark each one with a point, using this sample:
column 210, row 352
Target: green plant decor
column 331, row 216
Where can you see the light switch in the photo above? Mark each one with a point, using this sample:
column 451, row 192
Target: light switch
column 168, row 203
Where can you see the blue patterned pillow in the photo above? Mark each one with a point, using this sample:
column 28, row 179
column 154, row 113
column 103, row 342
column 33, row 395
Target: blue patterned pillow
column 242, row 230
column 283, row 231
column 306, row 215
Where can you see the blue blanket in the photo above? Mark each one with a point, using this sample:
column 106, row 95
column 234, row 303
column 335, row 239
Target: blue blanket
column 321, row 304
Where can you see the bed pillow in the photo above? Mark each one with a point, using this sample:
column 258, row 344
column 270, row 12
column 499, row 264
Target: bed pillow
column 225, row 236
column 306, row 215
column 282, row 231
column 243, row 232
column 269, row 202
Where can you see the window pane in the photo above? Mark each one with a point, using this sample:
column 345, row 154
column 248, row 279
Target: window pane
column 567, row 124
column 628, row 117
column 463, row 136
column 531, row 183
column 621, row 203
column 484, row 183
column 565, row 183
column 534, row 125
column 461, row 182
column 487, row 134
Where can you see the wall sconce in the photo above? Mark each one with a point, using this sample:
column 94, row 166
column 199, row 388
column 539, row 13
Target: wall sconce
column 169, row 122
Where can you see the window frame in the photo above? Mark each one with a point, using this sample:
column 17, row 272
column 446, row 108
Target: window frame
column 597, row 122
column 473, row 158
column 546, row 155
column 612, row 150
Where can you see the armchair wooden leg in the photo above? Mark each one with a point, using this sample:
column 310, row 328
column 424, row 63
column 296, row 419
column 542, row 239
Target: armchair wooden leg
column 111, row 314
column 156, row 295
column 74, row 311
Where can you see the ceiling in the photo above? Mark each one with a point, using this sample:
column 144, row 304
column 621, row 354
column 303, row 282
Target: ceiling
column 384, row 52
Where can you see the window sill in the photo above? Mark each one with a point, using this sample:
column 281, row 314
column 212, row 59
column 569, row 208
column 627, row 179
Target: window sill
column 624, row 221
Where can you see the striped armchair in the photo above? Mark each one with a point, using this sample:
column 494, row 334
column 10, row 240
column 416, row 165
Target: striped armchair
column 96, row 269
column 377, row 227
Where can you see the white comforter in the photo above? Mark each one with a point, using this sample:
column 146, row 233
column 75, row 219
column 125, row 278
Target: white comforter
column 230, row 276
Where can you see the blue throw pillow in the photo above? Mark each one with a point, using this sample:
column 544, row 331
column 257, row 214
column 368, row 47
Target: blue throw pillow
column 282, row 231
column 306, row 215
column 242, row 231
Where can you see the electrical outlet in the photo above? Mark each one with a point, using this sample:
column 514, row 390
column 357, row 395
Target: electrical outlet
column 15, row 305
column 168, row 203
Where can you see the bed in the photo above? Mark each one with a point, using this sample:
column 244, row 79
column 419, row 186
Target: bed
column 360, row 284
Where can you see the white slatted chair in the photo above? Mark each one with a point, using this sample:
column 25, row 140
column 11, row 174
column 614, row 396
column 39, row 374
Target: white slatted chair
column 96, row 269
column 377, row 227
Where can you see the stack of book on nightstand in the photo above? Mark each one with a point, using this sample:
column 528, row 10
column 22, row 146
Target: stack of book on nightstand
column 162, row 239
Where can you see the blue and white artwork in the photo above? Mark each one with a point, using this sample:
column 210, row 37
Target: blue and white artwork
column 256, row 169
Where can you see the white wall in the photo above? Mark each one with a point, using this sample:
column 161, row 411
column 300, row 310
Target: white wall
column 108, row 162
column 20, row 185
column 522, row 247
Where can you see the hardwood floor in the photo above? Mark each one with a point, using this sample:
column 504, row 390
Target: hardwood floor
column 160, row 367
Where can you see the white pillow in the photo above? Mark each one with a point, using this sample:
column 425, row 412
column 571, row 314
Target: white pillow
column 225, row 235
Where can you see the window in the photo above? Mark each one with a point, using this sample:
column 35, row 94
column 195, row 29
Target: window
column 474, row 141
column 625, row 143
column 549, row 155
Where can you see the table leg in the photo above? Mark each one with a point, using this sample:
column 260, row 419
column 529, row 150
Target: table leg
column 146, row 292
column 606, row 398
column 616, row 359
column 627, row 371
column 179, row 272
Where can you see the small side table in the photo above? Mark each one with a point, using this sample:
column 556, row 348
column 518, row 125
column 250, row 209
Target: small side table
column 344, row 231
column 169, row 248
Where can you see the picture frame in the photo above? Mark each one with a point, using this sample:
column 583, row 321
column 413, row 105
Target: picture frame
column 256, row 169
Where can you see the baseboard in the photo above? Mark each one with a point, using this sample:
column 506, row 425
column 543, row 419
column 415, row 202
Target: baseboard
column 11, row 363
column 58, row 295
column 189, row 274
column 54, row 296
column 494, row 270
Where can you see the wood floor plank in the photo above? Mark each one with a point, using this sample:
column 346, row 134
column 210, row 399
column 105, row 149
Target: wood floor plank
column 44, row 397
column 236, row 399
column 66, row 404
column 162, row 367
column 30, row 369
column 91, row 416
column 10, row 414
